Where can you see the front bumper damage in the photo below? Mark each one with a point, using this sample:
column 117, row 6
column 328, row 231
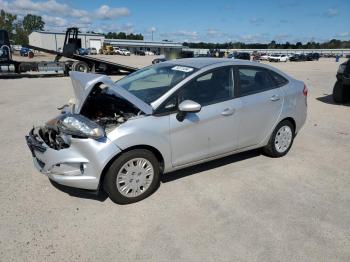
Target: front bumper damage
column 80, row 165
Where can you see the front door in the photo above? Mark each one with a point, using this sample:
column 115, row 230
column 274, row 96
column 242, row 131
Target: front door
column 214, row 129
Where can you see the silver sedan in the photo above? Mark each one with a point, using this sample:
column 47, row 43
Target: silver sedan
column 122, row 136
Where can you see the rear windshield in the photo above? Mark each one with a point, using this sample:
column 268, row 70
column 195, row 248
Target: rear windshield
column 152, row 82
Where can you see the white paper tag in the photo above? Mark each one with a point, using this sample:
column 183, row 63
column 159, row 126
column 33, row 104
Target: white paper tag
column 182, row 69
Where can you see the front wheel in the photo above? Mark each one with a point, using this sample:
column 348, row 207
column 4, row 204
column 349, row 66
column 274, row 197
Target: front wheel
column 133, row 176
column 281, row 140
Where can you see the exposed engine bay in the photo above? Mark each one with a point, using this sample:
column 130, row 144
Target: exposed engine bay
column 106, row 109
column 101, row 109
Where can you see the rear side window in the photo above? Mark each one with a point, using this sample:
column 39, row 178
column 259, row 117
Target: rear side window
column 254, row 80
column 279, row 80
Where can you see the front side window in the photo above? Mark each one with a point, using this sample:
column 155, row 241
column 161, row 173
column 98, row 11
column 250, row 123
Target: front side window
column 150, row 83
column 254, row 80
column 209, row 88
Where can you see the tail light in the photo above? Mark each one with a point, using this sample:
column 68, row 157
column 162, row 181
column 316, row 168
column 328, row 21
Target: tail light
column 305, row 90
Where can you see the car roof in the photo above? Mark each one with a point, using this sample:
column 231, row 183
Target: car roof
column 200, row 63
column 196, row 62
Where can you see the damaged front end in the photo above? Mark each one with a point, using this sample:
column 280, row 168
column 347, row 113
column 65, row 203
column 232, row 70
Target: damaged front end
column 73, row 148
column 99, row 107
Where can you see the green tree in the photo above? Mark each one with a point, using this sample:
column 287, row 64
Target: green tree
column 272, row 45
column 32, row 23
column 286, row 45
column 7, row 22
column 299, row 45
column 121, row 35
column 21, row 35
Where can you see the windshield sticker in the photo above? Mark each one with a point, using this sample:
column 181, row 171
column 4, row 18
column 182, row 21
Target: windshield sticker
column 182, row 69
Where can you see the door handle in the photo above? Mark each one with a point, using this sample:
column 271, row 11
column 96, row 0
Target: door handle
column 274, row 98
column 228, row 111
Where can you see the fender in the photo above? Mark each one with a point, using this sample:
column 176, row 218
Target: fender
column 145, row 130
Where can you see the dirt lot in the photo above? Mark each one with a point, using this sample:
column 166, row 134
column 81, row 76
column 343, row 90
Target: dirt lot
column 246, row 207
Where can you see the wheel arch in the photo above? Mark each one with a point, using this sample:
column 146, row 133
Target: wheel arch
column 154, row 150
column 290, row 119
column 268, row 136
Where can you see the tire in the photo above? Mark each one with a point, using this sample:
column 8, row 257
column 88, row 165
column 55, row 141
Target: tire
column 338, row 92
column 120, row 192
column 275, row 149
column 80, row 66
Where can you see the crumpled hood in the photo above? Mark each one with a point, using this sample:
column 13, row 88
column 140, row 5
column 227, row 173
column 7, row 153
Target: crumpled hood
column 83, row 84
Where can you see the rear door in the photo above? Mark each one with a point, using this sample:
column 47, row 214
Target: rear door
column 261, row 104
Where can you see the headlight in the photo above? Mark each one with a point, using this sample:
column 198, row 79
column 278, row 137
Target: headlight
column 79, row 125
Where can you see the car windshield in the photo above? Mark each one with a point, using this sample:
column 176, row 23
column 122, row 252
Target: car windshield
column 152, row 82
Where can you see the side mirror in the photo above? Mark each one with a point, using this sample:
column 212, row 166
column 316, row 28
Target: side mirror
column 187, row 106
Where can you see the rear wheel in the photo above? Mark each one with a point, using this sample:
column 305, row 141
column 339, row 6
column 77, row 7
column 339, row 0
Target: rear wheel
column 281, row 140
column 133, row 176
column 80, row 66
column 338, row 92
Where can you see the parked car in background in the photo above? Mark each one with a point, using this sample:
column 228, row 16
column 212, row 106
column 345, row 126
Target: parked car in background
column 122, row 51
column 316, row 56
column 239, row 55
column 309, row 57
column 202, row 55
column 83, row 51
column 312, row 56
column 215, row 53
column 92, row 51
column 158, row 60
column 264, row 57
column 149, row 53
column 125, row 52
column 123, row 136
column 278, row 58
column 139, row 52
column 297, row 57
column 290, row 55
column 341, row 89
column 118, row 51
column 25, row 51
column 243, row 56
column 16, row 47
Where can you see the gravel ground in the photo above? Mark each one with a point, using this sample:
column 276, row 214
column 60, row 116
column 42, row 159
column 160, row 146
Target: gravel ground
column 245, row 207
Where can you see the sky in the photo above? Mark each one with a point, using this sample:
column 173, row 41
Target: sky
column 197, row 20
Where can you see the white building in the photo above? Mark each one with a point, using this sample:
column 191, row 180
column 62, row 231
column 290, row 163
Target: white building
column 158, row 47
column 55, row 40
